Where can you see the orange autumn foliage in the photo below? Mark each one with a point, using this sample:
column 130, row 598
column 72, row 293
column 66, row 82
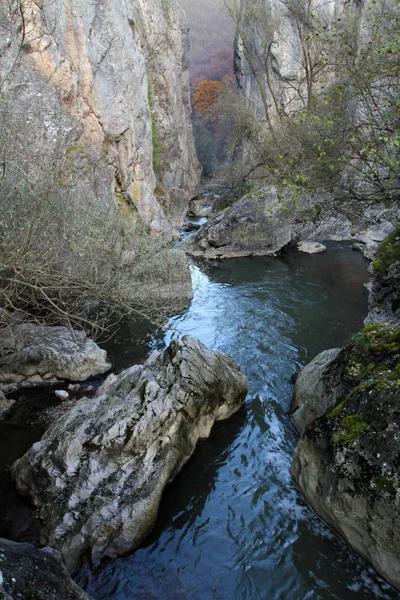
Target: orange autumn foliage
column 206, row 96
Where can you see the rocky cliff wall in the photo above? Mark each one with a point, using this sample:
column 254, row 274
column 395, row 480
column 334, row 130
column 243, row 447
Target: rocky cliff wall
column 271, row 49
column 88, row 88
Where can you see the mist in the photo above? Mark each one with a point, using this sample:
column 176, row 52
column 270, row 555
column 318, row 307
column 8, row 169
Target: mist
column 211, row 38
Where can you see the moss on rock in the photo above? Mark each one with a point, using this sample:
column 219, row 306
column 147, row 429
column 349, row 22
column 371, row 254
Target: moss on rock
column 388, row 253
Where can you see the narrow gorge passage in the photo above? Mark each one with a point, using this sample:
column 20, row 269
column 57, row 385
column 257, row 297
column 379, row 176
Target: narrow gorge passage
column 233, row 525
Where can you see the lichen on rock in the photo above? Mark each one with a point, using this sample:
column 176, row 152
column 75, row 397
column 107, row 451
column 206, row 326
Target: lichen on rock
column 347, row 460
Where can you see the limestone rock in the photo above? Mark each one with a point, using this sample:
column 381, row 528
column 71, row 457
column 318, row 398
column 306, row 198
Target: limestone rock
column 98, row 474
column 29, row 350
column 252, row 226
column 79, row 92
column 346, row 462
column 26, row 572
column 315, row 391
column 311, row 247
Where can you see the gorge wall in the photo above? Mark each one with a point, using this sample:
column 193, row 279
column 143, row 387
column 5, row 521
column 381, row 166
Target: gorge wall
column 271, row 46
column 96, row 97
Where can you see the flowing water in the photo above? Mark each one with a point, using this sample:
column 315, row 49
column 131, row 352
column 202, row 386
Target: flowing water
column 233, row 526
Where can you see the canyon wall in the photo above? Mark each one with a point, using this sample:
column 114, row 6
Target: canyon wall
column 95, row 97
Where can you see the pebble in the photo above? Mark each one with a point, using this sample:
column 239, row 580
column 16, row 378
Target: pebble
column 61, row 394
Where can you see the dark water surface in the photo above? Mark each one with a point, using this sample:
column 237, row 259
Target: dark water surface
column 233, row 526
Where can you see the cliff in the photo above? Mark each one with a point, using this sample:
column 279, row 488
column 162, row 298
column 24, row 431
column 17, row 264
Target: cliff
column 96, row 97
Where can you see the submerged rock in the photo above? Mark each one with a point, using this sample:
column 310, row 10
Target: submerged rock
column 29, row 350
column 347, row 461
column 311, row 247
column 29, row 573
column 98, row 474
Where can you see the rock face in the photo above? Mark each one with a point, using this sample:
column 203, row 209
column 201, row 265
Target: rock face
column 26, row 572
column 98, row 474
column 91, row 86
column 29, row 350
column 346, row 462
column 384, row 296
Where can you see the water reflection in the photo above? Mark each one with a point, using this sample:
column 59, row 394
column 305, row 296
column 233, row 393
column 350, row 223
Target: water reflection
column 233, row 525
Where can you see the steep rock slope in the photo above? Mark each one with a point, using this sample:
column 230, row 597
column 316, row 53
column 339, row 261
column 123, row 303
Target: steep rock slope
column 87, row 88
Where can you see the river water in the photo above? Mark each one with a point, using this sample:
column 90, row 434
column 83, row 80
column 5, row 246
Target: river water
column 233, row 526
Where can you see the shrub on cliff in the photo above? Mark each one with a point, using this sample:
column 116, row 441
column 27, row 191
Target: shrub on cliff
column 334, row 125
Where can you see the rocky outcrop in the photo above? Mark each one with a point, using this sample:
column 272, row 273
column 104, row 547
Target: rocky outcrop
column 95, row 90
column 346, row 462
column 263, row 223
column 317, row 388
column 384, row 296
column 97, row 475
column 26, row 572
column 29, row 350
column 252, row 226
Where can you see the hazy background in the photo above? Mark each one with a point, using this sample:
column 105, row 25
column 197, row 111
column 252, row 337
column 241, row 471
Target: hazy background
column 211, row 37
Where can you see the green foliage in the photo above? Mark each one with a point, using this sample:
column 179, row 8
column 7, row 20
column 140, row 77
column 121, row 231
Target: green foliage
column 340, row 128
column 388, row 253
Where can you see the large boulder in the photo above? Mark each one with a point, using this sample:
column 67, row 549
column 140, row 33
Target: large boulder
column 98, row 474
column 28, row 350
column 346, row 462
column 316, row 389
column 26, row 572
column 252, row 226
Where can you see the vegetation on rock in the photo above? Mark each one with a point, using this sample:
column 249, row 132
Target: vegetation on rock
column 388, row 253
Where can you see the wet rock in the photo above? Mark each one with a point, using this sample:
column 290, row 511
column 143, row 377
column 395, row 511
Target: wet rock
column 97, row 476
column 26, row 572
column 346, row 462
column 311, row 247
column 30, row 350
column 315, row 391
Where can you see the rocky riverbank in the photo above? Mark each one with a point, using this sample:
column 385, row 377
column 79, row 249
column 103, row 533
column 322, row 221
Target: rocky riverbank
column 265, row 222
column 346, row 408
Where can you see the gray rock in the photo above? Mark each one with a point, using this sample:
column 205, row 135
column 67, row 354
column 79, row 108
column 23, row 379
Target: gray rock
column 314, row 390
column 98, row 474
column 61, row 394
column 252, row 226
column 80, row 101
column 26, row 572
column 346, row 462
column 384, row 296
column 5, row 404
column 29, row 350
column 311, row 247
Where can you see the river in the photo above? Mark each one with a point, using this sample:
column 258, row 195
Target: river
column 233, row 526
